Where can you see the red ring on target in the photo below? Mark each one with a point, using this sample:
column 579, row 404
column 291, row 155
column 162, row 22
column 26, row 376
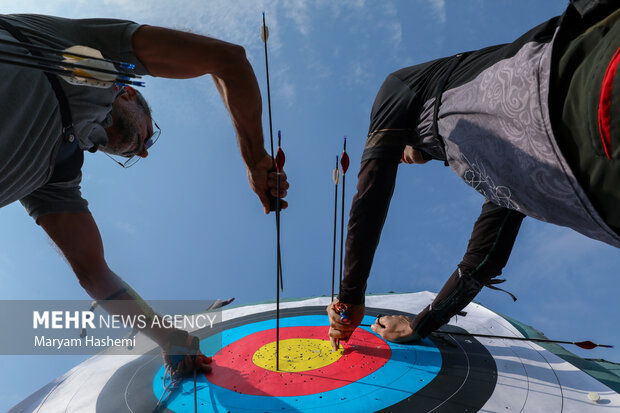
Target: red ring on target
column 234, row 370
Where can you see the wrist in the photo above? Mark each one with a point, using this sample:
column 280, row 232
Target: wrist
column 348, row 297
column 257, row 159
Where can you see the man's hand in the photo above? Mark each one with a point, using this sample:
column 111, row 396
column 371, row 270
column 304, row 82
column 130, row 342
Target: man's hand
column 342, row 330
column 186, row 367
column 411, row 155
column 183, row 343
column 263, row 180
column 396, row 328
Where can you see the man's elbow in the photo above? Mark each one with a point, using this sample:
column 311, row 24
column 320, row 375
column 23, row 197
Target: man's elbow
column 231, row 60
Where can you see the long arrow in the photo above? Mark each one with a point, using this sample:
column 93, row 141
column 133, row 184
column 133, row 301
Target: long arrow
column 336, row 178
column 68, row 65
column 274, row 204
column 121, row 80
column 264, row 35
column 587, row 345
column 280, row 158
column 344, row 163
column 123, row 65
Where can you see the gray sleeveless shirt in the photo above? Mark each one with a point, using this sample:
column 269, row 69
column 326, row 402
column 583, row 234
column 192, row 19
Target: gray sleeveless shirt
column 498, row 139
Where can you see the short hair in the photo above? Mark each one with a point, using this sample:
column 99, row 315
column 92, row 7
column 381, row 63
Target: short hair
column 143, row 104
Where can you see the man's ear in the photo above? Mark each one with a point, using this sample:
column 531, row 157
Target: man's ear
column 129, row 91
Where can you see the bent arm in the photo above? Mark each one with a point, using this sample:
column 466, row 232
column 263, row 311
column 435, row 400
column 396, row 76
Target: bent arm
column 375, row 186
column 489, row 248
column 179, row 55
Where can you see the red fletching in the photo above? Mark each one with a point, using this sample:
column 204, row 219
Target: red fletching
column 280, row 158
column 344, row 162
column 588, row 345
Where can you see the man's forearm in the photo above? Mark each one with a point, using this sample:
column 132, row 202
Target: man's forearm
column 116, row 297
column 491, row 241
column 241, row 95
column 488, row 251
column 368, row 212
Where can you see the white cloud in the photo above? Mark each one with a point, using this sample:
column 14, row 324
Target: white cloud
column 287, row 92
column 298, row 12
column 125, row 227
column 396, row 34
column 359, row 73
column 439, row 8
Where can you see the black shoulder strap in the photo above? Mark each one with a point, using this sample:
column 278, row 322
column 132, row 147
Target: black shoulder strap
column 65, row 110
column 69, row 158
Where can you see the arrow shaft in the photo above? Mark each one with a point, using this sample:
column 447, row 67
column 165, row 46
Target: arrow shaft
column 65, row 65
column 268, row 90
column 335, row 232
column 278, row 260
column 537, row 340
column 195, row 394
column 64, row 52
column 342, row 228
column 64, row 72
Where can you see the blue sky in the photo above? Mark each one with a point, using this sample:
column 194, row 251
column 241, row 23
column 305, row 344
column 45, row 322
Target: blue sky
column 184, row 224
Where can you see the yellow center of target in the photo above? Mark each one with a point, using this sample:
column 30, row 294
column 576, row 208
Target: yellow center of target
column 297, row 355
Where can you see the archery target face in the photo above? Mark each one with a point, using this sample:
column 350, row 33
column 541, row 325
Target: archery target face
column 367, row 374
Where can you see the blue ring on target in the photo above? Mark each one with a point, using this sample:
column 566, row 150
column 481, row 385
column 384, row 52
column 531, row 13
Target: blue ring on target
column 410, row 368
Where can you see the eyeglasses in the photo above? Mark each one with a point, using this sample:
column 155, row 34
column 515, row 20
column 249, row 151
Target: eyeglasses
column 143, row 146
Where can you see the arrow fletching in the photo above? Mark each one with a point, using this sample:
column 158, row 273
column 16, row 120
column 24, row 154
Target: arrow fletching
column 91, row 76
column 344, row 159
column 588, row 345
column 336, row 176
column 344, row 162
column 264, row 33
column 280, row 158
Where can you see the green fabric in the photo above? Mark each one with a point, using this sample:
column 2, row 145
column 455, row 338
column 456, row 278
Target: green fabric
column 604, row 371
column 576, row 86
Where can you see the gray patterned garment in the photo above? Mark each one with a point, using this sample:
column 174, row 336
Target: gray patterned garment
column 494, row 123
column 499, row 140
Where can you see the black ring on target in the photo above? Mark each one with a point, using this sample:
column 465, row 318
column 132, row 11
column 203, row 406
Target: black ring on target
column 466, row 379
